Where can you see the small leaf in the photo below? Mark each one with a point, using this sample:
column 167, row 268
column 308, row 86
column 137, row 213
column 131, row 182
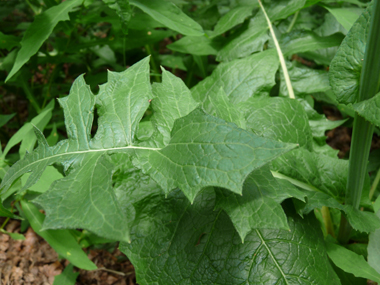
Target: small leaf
column 196, row 45
column 60, row 240
column 5, row 119
column 67, row 277
column 369, row 109
column 6, row 213
column 345, row 16
column 123, row 10
column 14, row 236
column 351, row 262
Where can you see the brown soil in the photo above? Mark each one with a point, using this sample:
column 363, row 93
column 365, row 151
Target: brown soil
column 33, row 261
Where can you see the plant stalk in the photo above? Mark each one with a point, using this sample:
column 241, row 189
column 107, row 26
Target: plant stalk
column 154, row 66
column 280, row 55
column 363, row 130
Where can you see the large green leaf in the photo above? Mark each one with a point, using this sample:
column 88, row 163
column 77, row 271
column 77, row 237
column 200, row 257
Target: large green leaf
column 60, row 240
column 345, row 16
column 175, row 242
column 345, row 68
column 281, row 119
column 169, row 15
column 351, row 262
column 40, row 30
column 207, row 151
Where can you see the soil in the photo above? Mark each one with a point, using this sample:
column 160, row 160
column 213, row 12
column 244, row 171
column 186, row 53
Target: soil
column 33, row 261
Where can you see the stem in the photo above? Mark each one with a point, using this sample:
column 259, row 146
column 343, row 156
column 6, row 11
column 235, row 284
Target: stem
column 293, row 21
column 374, row 184
column 30, row 96
column 280, row 55
column 363, row 130
column 327, row 221
column 154, row 66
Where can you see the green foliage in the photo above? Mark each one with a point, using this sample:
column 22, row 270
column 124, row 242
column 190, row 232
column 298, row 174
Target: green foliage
column 208, row 175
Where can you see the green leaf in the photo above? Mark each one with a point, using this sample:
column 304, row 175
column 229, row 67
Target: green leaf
column 374, row 248
column 5, row 119
column 223, row 108
column 6, row 213
column 67, row 277
column 169, row 15
column 369, row 109
column 351, row 262
column 60, row 240
column 8, row 41
column 40, row 30
column 232, row 18
column 14, row 236
column 232, row 154
column 241, row 79
column 330, row 26
column 249, row 41
column 345, row 16
column 123, row 10
column 360, row 220
column 315, row 172
column 196, row 45
column 172, row 100
column 26, row 134
column 281, row 119
column 50, row 175
column 193, row 244
column 303, row 41
column 258, row 207
column 345, row 68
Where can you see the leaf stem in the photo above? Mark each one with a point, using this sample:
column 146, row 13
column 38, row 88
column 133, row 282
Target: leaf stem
column 293, row 22
column 374, row 184
column 363, row 130
column 280, row 55
column 327, row 221
column 154, row 66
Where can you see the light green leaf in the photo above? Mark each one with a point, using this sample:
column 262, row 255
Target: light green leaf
column 303, row 41
column 173, row 61
column 67, row 277
column 60, row 240
column 220, row 103
column 193, row 244
column 169, row 15
column 26, row 134
column 374, row 248
column 172, row 100
column 241, row 79
column 14, row 236
column 50, row 175
column 330, row 26
column 345, row 16
column 196, row 45
column 213, row 151
column 369, row 109
column 281, row 119
column 258, row 207
column 351, row 262
column 232, row 18
column 40, row 30
column 345, row 68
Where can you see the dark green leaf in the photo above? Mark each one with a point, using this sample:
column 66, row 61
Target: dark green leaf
column 40, row 30
column 67, row 277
